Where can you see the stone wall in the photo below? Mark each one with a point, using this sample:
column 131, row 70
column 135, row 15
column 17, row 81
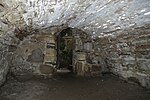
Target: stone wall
column 35, row 55
column 128, row 54
column 3, row 63
column 8, row 44
column 25, row 52
column 87, row 60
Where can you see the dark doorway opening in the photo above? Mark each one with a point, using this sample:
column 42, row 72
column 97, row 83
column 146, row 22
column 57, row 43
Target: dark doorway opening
column 65, row 49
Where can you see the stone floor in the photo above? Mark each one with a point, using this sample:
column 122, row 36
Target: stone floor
column 69, row 87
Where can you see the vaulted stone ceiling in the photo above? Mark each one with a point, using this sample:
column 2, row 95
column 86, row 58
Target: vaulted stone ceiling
column 96, row 17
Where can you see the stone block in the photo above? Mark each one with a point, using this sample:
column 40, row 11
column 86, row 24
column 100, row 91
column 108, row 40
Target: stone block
column 22, row 69
column 81, row 56
column 79, row 68
column 144, row 79
column 50, row 55
column 144, row 65
column 88, row 68
column 142, row 47
column 36, row 56
column 96, row 68
column 12, row 48
column 88, row 46
column 50, row 51
column 83, row 68
column 78, row 45
column 50, row 58
column 44, row 38
column 46, row 69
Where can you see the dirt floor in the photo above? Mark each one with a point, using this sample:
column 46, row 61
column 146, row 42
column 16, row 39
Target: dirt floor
column 69, row 87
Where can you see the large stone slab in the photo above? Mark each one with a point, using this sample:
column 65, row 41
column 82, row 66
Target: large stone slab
column 36, row 56
column 21, row 69
column 46, row 69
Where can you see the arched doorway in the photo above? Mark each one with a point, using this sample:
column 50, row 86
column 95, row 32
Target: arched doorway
column 65, row 49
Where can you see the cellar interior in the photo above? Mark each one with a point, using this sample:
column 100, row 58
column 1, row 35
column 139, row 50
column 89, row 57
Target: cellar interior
column 74, row 49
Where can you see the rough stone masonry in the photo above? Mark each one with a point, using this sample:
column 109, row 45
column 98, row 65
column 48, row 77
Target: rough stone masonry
column 117, row 39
